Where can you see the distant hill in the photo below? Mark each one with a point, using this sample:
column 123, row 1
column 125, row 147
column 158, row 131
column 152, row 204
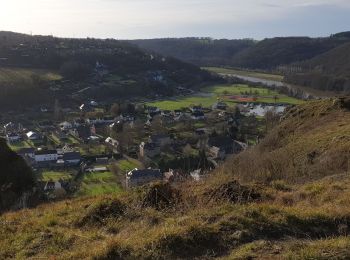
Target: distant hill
column 84, row 60
column 267, row 54
column 15, row 177
column 199, row 51
column 271, row 53
column 328, row 71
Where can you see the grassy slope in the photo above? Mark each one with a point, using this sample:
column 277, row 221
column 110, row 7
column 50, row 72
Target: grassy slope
column 98, row 183
column 302, row 212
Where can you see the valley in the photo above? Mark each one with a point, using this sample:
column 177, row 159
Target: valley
column 189, row 148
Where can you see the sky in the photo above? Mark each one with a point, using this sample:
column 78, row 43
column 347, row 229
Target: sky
column 143, row 19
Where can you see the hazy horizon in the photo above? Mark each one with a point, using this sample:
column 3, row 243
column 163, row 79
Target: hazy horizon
column 146, row 19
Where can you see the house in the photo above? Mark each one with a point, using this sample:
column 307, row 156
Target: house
column 220, row 146
column 177, row 112
column 153, row 111
column 107, row 120
column 10, row 127
column 138, row 177
column 46, row 156
column 31, row 135
column 71, row 158
column 13, row 137
column 78, row 122
column 196, row 109
column 127, row 118
column 61, row 135
column 114, row 144
column 183, row 117
column 82, row 132
column 93, row 103
column 93, row 120
column 65, row 126
column 160, row 140
column 27, row 152
column 198, row 115
column 220, row 105
column 149, row 150
column 46, row 125
column 52, row 186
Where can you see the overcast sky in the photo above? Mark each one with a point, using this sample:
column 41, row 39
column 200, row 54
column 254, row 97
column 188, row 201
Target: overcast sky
column 134, row 19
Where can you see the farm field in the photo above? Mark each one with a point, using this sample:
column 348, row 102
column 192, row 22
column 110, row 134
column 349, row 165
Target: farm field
column 98, row 183
column 210, row 95
column 254, row 74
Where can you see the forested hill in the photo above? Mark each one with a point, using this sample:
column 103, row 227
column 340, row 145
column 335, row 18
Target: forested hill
column 271, row 53
column 264, row 55
column 49, row 52
column 329, row 71
column 30, row 66
column 199, row 51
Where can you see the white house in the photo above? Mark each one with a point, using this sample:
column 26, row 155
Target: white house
column 33, row 135
column 46, row 156
column 52, row 186
column 66, row 125
column 112, row 142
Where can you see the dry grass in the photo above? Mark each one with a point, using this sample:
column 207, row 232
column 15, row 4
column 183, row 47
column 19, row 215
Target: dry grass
column 299, row 210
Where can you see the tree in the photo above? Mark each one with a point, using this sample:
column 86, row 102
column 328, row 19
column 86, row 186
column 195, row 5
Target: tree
column 115, row 109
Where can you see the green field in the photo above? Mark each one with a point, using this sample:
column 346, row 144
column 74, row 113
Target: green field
column 213, row 93
column 24, row 77
column 55, row 175
column 254, row 74
column 184, row 102
column 98, row 183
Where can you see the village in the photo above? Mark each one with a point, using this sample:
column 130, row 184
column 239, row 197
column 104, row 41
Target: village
column 92, row 148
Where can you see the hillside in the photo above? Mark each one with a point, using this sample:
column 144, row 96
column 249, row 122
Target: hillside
column 109, row 67
column 286, row 198
column 329, row 71
column 16, row 178
column 263, row 55
column 199, row 51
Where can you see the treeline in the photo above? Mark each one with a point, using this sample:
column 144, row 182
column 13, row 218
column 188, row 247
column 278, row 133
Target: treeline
column 264, row 55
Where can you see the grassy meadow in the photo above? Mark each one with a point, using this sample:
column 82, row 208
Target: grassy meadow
column 211, row 94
